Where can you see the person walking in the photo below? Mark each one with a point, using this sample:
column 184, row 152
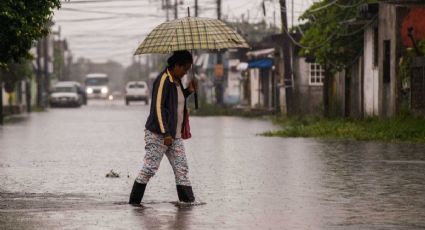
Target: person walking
column 164, row 128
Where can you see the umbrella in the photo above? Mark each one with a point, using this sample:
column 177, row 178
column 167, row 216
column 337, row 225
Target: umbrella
column 191, row 33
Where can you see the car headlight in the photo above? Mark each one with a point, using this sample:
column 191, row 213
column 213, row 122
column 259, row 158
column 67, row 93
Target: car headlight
column 104, row 90
column 89, row 90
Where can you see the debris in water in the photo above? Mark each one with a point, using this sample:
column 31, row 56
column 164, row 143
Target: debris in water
column 112, row 174
column 187, row 204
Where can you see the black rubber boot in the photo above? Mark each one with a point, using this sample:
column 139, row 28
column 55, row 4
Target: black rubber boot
column 185, row 193
column 137, row 193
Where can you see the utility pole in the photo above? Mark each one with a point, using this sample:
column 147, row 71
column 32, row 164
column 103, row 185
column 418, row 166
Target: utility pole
column 219, row 9
column 196, row 8
column 292, row 14
column 167, row 7
column 1, row 101
column 139, row 68
column 219, row 69
column 46, row 70
column 286, row 51
column 176, row 8
column 39, row 75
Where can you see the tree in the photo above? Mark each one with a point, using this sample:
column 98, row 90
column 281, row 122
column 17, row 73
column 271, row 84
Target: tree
column 330, row 37
column 21, row 23
column 15, row 71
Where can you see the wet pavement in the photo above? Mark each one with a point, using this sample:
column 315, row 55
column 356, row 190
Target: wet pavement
column 53, row 166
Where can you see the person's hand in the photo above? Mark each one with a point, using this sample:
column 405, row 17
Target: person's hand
column 193, row 85
column 168, row 140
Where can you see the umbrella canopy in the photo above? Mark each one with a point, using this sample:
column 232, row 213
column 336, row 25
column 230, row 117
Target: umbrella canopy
column 191, row 33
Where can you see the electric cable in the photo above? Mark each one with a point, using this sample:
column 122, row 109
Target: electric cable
column 111, row 13
column 361, row 29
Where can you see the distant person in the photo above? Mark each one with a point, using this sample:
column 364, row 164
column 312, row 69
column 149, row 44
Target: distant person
column 164, row 128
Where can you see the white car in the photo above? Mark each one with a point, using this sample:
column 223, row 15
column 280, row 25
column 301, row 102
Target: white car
column 136, row 91
column 65, row 94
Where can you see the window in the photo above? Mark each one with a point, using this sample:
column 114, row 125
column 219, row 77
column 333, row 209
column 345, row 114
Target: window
column 317, row 73
column 387, row 61
column 134, row 86
column 375, row 46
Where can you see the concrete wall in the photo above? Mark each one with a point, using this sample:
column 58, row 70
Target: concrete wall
column 254, row 76
column 19, row 99
column 357, row 92
column 338, row 99
column 308, row 99
column 387, row 31
column 371, row 75
column 4, row 95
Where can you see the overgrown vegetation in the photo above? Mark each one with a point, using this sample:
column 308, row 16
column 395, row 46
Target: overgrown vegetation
column 405, row 73
column 399, row 129
column 330, row 36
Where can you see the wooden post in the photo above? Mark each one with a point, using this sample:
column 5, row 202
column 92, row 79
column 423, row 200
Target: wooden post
column 1, row 102
column 286, row 50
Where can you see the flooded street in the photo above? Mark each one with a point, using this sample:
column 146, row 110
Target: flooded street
column 53, row 166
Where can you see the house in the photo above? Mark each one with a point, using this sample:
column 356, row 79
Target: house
column 386, row 40
column 373, row 84
column 308, row 87
column 262, row 79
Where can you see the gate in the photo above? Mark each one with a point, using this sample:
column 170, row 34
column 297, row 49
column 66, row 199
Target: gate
column 418, row 85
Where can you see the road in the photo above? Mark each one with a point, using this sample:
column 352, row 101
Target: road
column 53, row 166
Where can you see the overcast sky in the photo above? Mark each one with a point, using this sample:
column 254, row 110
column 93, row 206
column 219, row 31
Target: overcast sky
column 104, row 30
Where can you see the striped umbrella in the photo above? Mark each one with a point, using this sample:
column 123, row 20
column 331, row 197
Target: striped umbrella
column 191, row 33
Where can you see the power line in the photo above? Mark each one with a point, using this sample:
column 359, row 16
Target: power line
column 95, row 1
column 361, row 29
column 323, row 7
column 111, row 13
column 87, row 19
column 349, row 6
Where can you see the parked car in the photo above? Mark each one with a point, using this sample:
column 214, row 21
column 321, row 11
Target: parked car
column 65, row 94
column 136, row 91
column 81, row 90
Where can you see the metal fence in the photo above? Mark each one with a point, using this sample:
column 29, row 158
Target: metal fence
column 418, row 85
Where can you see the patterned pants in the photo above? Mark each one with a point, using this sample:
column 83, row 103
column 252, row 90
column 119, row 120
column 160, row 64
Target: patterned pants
column 155, row 150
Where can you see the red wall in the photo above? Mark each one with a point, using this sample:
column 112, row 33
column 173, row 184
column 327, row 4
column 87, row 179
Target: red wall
column 416, row 19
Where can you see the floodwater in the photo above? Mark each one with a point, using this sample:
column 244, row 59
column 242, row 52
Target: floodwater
column 53, row 166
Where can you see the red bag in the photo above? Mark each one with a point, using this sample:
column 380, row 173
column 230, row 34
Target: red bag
column 186, row 128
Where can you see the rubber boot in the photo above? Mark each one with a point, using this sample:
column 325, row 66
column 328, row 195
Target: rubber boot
column 137, row 193
column 185, row 193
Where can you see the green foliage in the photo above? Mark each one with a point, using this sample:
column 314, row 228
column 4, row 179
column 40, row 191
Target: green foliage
column 329, row 36
column 405, row 73
column 404, row 67
column 399, row 129
column 21, row 23
column 14, row 72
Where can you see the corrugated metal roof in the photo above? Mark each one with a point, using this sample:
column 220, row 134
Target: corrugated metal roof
column 405, row 2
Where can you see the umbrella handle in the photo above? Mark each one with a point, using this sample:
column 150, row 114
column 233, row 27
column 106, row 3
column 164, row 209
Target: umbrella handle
column 195, row 95
column 196, row 99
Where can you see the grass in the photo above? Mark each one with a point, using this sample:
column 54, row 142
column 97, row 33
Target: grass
column 35, row 108
column 400, row 129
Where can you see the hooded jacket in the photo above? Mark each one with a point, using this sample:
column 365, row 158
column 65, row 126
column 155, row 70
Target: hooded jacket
column 162, row 118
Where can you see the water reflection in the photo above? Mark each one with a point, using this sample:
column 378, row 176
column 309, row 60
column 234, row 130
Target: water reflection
column 164, row 215
column 247, row 181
